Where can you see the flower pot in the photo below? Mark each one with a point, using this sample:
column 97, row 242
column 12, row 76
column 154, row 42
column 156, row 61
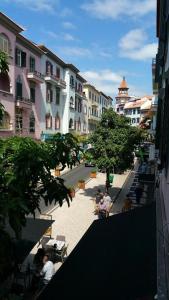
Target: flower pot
column 93, row 175
column 57, row 172
column 72, row 193
column 81, row 185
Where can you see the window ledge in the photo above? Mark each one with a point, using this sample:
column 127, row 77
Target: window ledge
column 5, row 92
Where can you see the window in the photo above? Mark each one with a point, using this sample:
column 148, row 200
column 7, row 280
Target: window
column 94, row 97
column 134, row 111
column 85, row 109
column 48, row 121
column 76, row 86
column 57, row 121
column 133, row 121
column 32, row 123
column 138, row 110
column 79, row 88
column 57, row 72
column 90, row 94
column 20, row 58
column 49, row 93
column 138, row 120
column 18, row 121
column 4, row 82
column 79, row 125
column 4, row 43
column 32, row 92
column 32, row 64
column 84, row 126
column 49, row 68
column 57, row 96
column 18, row 87
column 76, row 104
column 71, row 81
column 71, row 102
column 70, row 124
column 5, row 121
column 79, row 106
column 89, row 112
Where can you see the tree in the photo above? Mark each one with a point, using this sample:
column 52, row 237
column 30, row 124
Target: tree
column 25, row 180
column 113, row 143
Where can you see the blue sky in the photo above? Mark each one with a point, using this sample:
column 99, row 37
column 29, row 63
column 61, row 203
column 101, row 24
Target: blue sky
column 105, row 39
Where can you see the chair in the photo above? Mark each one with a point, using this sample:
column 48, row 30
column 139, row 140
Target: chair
column 60, row 238
column 62, row 253
column 44, row 241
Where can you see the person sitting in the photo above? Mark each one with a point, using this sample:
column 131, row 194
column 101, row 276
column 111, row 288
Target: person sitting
column 127, row 203
column 47, row 271
column 99, row 196
column 37, row 267
column 102, row 209
column 107, row 198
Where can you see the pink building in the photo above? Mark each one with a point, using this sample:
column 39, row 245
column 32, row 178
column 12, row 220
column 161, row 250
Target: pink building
column 20, row 91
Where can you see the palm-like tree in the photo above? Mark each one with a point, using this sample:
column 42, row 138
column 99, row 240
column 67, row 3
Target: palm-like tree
column 4, row 69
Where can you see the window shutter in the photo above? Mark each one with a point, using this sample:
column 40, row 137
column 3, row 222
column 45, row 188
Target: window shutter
column 16, row 56
column 47, row 63
column 23, row 59
column 51, row 95
column 19, row 90
column 58, row 72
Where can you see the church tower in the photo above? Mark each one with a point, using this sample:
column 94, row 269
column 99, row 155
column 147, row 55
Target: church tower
column 122, row 96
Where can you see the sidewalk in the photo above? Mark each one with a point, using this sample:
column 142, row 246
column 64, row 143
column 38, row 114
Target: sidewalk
column 74, row 221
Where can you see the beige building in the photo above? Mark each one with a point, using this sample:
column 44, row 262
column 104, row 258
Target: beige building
column 93, row 106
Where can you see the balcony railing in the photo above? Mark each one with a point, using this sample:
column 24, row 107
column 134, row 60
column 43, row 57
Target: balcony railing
column 54, row 79
column 35, row 76
column 23, row 102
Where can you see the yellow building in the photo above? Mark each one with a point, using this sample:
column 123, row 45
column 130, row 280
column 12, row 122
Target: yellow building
column 93, row 106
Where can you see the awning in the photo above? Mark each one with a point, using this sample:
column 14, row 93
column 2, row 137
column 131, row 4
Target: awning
column 31, row 234
column 115, row 259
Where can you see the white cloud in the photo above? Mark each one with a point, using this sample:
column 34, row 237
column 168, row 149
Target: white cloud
column 133, row 45
column 75, row 51
column 68, row 25
column 51, row 34
column 105, row 54
column 68, row 37
column 38, row 5
column 133, row 39
column 114, row 9
column 66, row 12
column 104, row 80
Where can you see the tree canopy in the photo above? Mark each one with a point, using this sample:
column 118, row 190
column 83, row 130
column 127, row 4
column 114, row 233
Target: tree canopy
column 4, row 65
column 114, row 141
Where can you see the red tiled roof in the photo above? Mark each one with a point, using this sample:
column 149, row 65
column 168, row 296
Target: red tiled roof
column 123, row 84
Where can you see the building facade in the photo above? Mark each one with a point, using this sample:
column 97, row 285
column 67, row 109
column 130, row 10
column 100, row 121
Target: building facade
column 20, row 90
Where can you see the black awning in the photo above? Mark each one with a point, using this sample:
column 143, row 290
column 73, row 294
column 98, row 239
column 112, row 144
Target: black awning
column 115, row 259
column 31, row 234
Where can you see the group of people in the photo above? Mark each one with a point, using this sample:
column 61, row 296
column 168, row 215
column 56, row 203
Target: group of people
column 128, row 202
column 43, row 269
column 103, row 203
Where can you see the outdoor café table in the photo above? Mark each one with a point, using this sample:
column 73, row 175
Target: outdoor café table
column 59, row 244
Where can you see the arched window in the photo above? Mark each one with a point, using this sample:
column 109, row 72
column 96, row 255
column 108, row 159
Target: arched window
column 89, row 112
column 4, row 43
column 32, row 123
column 18, row 87
column 48, row 121
column 72, row 102
column 4, row 82
column 19, row 119
column 57, row 121
column 5, row 121
column 72, row 81
column 70, row 124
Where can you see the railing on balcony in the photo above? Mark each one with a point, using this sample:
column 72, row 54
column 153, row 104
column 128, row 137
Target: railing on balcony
column 36, row 73
column 58, row 80
column 22, row 100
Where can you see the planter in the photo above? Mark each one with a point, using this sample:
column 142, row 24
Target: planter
column 72, row 193
column 93, row 175
column 81, row 185
column 57, row 172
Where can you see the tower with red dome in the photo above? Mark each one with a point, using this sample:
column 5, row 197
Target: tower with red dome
column 122, row 97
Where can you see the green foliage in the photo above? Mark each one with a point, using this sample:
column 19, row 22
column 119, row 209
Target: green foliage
column 4, row 65
column 2, row 110
column 114, row 141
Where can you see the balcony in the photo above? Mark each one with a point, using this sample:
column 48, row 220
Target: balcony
column 93, row 118
column 79, row 93
column 24, row 103
column 55, row 80
column 35, row 76
column 95, row 104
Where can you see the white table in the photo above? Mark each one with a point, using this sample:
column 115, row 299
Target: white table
column 59, row 244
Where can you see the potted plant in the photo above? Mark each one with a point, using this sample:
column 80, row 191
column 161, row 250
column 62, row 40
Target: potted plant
column 57, row 172
column 81, row 184
column 93, row 173
column 71, row 192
